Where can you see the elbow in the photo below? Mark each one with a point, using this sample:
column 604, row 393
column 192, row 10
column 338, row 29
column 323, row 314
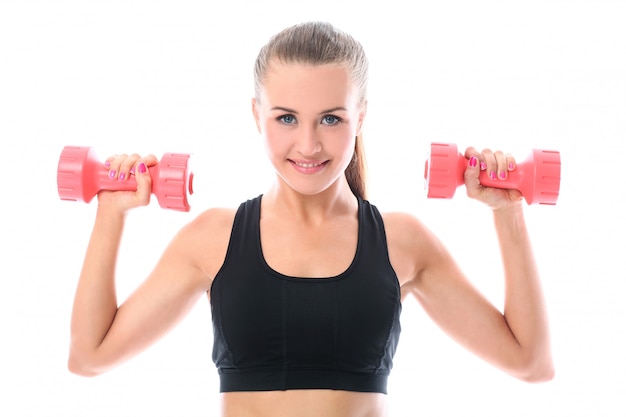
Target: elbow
column 80, row 365
column 79, row 369
column 540, row 375
column 537, row 370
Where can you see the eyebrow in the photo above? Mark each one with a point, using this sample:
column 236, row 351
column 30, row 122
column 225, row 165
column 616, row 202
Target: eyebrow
column 288, row 110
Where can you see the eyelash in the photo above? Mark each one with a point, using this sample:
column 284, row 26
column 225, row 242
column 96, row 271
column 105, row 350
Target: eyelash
column 336, row 120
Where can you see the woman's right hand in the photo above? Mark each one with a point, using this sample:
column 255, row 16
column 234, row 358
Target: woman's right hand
column 121, row 167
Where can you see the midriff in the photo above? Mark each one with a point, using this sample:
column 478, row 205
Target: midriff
column 303, row 403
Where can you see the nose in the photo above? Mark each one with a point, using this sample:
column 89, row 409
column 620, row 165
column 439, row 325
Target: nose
column 308, row 142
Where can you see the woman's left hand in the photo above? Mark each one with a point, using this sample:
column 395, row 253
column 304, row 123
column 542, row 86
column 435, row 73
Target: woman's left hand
column 497, row 166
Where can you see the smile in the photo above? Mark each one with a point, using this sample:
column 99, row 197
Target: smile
column 303, row 165
column 308, row 167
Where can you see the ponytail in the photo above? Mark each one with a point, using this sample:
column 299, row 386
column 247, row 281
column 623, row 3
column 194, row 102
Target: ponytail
column 357, row 170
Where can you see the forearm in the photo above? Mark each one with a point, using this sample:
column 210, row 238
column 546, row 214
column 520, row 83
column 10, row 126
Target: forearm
column 524, row 308
column 95, row 302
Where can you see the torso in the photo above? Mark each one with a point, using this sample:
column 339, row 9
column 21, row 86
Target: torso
column 338, row 246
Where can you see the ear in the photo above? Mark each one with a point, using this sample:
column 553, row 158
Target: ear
column 362, row 115
column 255, row 113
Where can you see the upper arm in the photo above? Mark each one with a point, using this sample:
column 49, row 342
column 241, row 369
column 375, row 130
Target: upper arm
column 428, row 272
column 182, row 275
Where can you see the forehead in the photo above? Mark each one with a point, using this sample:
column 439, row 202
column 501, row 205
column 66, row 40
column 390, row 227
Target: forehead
column 297, row 84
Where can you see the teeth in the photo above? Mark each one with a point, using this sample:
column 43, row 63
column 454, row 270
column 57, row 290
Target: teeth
column 300, row 164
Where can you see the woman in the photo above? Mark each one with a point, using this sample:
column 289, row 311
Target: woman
column 306, row 280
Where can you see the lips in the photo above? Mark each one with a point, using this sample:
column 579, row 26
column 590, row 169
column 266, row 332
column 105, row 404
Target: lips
column 308, row 167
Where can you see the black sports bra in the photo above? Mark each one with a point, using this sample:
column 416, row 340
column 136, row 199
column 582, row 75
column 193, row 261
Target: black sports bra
column 275, row 332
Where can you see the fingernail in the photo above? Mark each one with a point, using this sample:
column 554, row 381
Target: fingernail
column 511, row 166
column 492, row 175
column 122, row 176
column 142, row 168
column 473, row 161
column 503, row 175
column 483, row 166
column 112, row 174
column 107, row 164
column 132, row 170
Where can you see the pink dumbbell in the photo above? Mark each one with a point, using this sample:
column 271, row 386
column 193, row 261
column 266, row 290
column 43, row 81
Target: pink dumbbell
column 80, row 176
column 538, row 177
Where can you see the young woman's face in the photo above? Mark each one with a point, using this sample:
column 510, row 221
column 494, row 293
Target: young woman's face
column 309, row 117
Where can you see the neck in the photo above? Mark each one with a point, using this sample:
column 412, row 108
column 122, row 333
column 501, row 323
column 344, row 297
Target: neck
column 285, row 201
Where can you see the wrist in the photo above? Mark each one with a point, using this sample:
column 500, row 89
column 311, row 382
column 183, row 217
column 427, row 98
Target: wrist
column 110, row 213
column 511, row 208
column 510, row 217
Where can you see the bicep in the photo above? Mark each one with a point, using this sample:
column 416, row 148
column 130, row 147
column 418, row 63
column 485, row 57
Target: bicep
column 156, row 306
column 456, row 305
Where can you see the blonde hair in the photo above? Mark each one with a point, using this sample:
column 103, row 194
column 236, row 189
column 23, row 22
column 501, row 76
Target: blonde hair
column 320, row 43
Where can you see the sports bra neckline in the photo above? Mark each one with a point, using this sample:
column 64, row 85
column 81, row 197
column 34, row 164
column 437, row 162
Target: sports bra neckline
column 310, row 280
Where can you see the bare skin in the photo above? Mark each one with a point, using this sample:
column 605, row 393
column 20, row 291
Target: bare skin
column 306, row 403
column 311, row 216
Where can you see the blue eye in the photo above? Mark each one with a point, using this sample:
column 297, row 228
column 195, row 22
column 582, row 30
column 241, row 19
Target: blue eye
column 330, row 120
column 287, row 119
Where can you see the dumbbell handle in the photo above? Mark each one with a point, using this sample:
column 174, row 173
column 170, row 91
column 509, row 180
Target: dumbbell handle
column 537, row 178
column 81, row 175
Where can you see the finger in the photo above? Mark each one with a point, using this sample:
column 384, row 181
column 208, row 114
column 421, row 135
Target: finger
column 113, row 164
column 109, row 161
column 501, row 165
column 144, row 182
column 150, row 160
column 126, row 165
column 471, row 151
column 490, row 163
column 473, row 157
column 472, row 172
column 510, row 162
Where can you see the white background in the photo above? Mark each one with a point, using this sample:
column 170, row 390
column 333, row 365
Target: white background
column 157, row 76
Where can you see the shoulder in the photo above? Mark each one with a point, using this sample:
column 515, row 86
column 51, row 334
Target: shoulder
column 410, row 243
column 214, row 220
column 206, row 238
column 405, row 229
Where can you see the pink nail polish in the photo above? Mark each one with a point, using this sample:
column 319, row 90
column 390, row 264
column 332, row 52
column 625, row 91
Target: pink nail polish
column 107, row 164
column 503, row 175
column 473, row 161
column 483, row 166
column 112, row 174
column 492, row 175
column 511, row 166
column 142, row 168
column 122, row 176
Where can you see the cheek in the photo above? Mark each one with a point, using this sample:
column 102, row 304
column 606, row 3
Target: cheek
column 344, row 139
column 340, row 147
column 272, row 130
column 274, row 139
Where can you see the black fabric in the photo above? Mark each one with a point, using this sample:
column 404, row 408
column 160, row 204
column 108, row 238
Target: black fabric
column 275, row 332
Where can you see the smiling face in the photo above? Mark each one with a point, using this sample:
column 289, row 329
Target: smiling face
column 309, row 117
